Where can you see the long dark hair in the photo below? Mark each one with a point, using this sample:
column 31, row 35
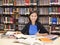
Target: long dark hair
column 32, row 13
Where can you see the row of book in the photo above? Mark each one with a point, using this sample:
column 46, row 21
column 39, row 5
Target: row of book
column 7, row 20
column 1, row 26
column 23, row 20
column 28, row 2
column 19, row 10
column 55, row 29
column 9, row 27
column 43, row 20
column 50, row 10
column 54, row 20
column 18, row 2
column 20, row 27
column 49, row 20
column 49, row 2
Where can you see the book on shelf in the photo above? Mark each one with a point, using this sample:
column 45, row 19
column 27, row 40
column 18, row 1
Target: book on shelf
column 20, row 27
column 45, row 10
column 6, row 11
column 58, row 9
column 21, row 20
column 22, row 11
column 1, row 10
column 46, row 2
column 33, row 2
column 1, row 2
column 1, row 26
column 43, row 2
column 26, row 11
column 58, row 20
column 55, row 29
column 15, row 3
column 27, row 2
column 44, row 20
column 47, row 27
column 59, row 2
column 54, row 10
column 11, row 2
column 49, row 10
column 2, row 19
column 53, row 20
column 8, row 20
column 10, row 10
column 26, row 20
column 7, row 2
column 54, row 2
column 9, row 27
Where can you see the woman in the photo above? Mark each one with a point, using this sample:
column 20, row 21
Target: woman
column 34, row 27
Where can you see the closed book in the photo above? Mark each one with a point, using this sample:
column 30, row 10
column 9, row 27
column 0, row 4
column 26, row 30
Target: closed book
column 45, row 40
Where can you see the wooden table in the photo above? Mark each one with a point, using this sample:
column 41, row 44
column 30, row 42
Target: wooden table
column 7, row 41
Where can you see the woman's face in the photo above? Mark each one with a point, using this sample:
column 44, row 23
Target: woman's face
column 33, row 17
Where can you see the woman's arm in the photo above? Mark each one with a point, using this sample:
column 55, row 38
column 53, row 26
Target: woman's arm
column 40, row 34
column 42, row 31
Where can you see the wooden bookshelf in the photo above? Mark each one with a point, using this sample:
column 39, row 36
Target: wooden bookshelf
column 16, row 12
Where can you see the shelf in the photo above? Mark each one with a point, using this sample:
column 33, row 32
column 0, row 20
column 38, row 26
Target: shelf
column 55, row 31
column 48, row 15
column 48, row 6
column 54, row 24
column 8, row 23
column 9, row 29
column 19, row 6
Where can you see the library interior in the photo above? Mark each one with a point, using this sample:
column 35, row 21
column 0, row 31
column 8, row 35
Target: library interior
column 19, row 26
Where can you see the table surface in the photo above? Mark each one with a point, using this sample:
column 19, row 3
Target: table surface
column 7, row 41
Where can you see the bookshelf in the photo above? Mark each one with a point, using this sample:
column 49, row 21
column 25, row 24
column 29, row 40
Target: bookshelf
column 14, row 14
column 50, row 9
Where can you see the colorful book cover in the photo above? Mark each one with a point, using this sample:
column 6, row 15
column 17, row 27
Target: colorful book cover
column 49, row 10
column 54, row 20
column 1, row 2
column 31, row 2
column 58, row 9
column 52, row 1
column 10, row 2
column 11, row 20
column 27, row 2
column 1, row 10
column 45, row 40
column 15, row 3
column 10, row 10
column 56, row 1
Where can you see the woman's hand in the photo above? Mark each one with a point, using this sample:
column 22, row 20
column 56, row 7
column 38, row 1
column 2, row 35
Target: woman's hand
column 39, row 34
